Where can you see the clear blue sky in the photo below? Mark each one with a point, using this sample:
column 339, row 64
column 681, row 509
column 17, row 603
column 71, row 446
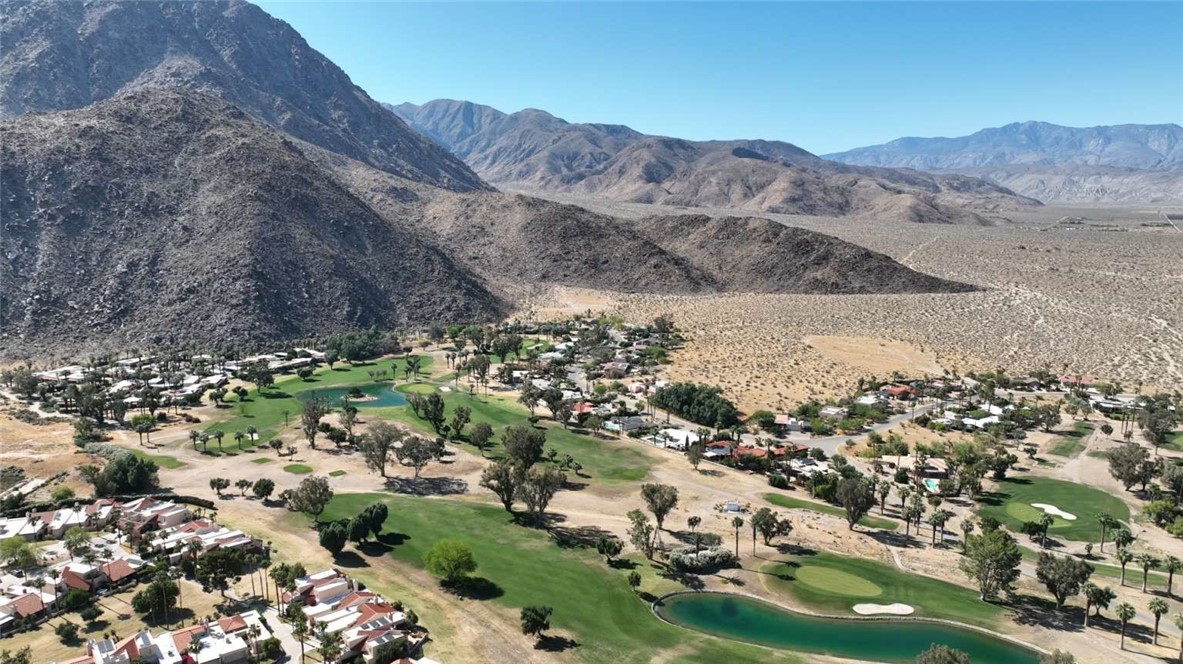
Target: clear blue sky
column 826, row 76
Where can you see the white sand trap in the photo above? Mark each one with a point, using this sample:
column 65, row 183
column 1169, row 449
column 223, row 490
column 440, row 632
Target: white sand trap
column 896, row 609
column 1054, row 511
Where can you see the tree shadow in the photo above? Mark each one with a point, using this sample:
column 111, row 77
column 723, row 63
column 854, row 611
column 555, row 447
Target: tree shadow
column 622, row 563
column 577, row 537
column 476, row 588
column 426, row 486
column 96, row 626
column 1042, row 612
column 350, row 559
column 574, row 486
column 393, row 539
column 710, row 472
column 552, row 643
column 276, row 395
column 889, row 538
column 374, row 549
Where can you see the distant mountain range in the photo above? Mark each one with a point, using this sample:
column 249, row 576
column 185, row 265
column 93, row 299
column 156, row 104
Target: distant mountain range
column 194, row 172
column 1120, row 163
column 532, row 150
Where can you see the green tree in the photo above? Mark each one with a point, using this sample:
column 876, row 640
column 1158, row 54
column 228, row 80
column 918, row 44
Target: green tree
column 609, row 547
column 660, row 499
column 502, row 479
column 1057, row 657
column 1106, row 523
column 535, row 620
column 311, row 413
column 634, row 580
column 537, row 487
column 451, row 560
column 143, row 424
column 641, row 532
column 312, row 496
column 1172, row 564
column 736, row 524
column 461, row 415
column 857, row 497
column 243, row 485
column 1124, row 557
column 1096, row 598
column 1064, row 576
column 158, row 597
column 219, row 484
column 76, row 541
column 263, row 487
column 333, row 536
column 941, row 654
column 216, row 569
column 524, row 445
column 1147, row 562
column 480, row 436
column 416, row 450
column 375, row 516
column 992, row 560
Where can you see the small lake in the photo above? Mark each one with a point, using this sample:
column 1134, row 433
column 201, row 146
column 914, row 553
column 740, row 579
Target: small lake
column 746, row 619
column 379, row 395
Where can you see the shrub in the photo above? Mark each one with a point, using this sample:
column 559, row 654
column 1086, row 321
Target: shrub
column 706, row 560
column 778, row 480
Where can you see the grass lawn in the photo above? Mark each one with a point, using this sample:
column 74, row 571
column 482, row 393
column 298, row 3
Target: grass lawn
column 789, row 502
column 832, row 584
column 337, row 473
column 519, row 566
column 1174, row 441
column 602, row 458
column 170, row 463
column 1106, row 574
column 1070, row 443
column 297, row 469
column 265, row 411
column 1011, row 504
column 1098, row 454
column 261, row 460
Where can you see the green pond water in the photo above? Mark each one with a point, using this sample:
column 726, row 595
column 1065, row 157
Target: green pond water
column 383, row 395
column 754, row 621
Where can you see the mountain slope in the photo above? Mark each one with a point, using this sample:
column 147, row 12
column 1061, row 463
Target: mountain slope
column 63, row 55
column 169, row 215
column 535, row 151
column 1120, row 163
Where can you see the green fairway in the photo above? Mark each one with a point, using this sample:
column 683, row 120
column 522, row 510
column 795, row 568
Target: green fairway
column 1174, row 441
column 781, row 500
column 167, row 462
column 602, row 458
column 1109, row 574
column 266, row 411
column 832, row 584
column 1070, row 443
column 522, row 566
column 337, row 473
column 297, row 469
column 1012, row 505
column 261, row 460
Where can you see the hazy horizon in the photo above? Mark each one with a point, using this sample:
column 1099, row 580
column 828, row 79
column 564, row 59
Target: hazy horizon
column 765, row 70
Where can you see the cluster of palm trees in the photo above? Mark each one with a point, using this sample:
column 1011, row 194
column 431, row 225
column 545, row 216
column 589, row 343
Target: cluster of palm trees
column 203, row 437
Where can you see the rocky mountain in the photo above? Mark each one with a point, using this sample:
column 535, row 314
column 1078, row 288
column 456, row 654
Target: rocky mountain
column 1120, row 163
column 166, row 215
column 532, row 150
column 63, row 55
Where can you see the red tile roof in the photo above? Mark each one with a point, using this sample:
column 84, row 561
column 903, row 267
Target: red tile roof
column 231, row 624
column 117, row 570
column 183, row 637
column 75, row 580
column 27, row 605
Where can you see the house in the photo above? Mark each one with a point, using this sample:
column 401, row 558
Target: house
column 832, row 412
column 790, row 424
column 626, row 424
column 117, row 571
column 678, row 439
column 29, row 528
column 896, row 391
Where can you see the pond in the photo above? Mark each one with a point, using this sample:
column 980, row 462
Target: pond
column 378, row 395
column 755, row 621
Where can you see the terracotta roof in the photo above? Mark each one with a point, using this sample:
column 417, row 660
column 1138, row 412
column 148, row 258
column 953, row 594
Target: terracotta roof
column 75, row 580
column 117, row 570
column 128, row 646
column 231, row 624
column 27, row 605
column 183, row 637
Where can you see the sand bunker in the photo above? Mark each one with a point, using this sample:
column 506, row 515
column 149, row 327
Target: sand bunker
column 1054, row 511
column 896, row 609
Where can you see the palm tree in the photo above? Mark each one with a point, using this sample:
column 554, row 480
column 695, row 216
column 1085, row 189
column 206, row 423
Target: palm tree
column 737, row 523
column 238, row 436
column 1172, row 564
column 1106, row 522
column 193, row 436
column 1124, row 557
column 1147, row 562
column 1045, row 522
column 252, row 432
column 1179, row 625
column 300, row 629
column 1125, row 613
column 1158, row 606
column 330, row 645
column 218, row 434
column 204, row 442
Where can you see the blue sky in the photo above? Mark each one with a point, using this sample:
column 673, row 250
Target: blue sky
column 826, row 76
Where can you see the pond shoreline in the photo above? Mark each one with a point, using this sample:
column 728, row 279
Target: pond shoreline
column 1034, row 649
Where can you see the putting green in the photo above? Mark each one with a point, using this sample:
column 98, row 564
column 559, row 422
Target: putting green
column 1012, row 504
column 837, row 582
column 1024, row 512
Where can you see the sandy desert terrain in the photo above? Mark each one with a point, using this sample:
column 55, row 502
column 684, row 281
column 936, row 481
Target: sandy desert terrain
column 1094, row 291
